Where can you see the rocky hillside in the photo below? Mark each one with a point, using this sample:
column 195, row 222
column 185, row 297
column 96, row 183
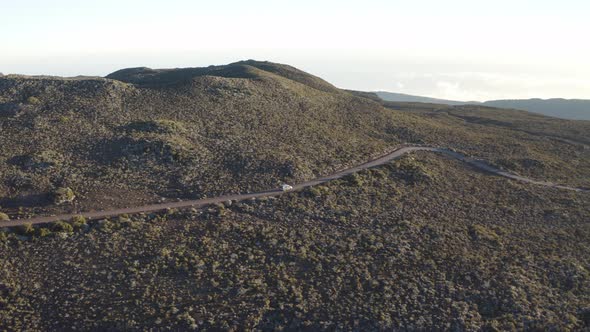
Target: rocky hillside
column 143, row 135
column 424, row 243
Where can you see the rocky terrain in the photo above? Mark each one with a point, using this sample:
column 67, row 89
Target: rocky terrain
column 423, row 243
column 142, row 136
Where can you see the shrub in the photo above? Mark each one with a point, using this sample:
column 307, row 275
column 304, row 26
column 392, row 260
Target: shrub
column 33, row 100
column 152, row 146
column 105, row 225
column 412, row 170
column 4, row 217
column 43, row 160
column 26, row 229
column 63, row 195
column 63, row 227
column 78, row 222
column 169, row 126
column 482, row 233
column 43, row 232
column 354, row 180
column 158, row 126
column 219, row 210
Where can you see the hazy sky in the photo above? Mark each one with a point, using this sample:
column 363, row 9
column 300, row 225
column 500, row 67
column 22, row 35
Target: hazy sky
column 456, row 49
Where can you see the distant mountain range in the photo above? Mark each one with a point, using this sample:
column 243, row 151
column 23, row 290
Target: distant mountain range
column 574, row 109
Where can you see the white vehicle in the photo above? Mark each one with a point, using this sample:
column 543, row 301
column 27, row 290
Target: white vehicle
column 286, row 187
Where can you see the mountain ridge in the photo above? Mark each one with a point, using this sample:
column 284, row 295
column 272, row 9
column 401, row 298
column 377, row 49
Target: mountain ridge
column 573, row 109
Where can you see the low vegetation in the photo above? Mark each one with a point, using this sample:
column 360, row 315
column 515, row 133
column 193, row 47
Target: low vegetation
column 142, row 136
column 63, row 195
column 380, row 250
column 422, row 243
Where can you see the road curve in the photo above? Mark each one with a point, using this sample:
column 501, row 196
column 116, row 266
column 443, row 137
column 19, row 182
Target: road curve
column 275, row 192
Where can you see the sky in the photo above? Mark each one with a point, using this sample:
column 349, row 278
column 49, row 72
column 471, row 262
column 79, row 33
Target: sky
column 453, row 49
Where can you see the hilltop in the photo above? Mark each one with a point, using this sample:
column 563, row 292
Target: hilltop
column 249, row 69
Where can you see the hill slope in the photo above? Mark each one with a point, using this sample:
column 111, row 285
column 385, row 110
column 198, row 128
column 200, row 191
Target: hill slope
column 142, row 135
column 422, row 243
column 179, row 133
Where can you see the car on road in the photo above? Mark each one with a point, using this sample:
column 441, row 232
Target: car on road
column 286, row 187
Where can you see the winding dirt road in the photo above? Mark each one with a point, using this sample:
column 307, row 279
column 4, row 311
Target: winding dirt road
column 275, row 192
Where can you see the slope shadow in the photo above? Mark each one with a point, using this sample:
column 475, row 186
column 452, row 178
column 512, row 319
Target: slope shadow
column 33, row 200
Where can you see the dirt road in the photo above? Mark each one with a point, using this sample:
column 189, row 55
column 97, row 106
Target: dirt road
column 275, row 192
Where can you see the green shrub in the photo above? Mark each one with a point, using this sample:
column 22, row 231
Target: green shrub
column 169, row 126
column 158, row 126
column 219, row 210
column 412, row 170
column 63, row 195
column 354, row 180
column 106, row 225
column 163, row 148
column 43, row 160
column 482, row 233
column 125, row 221
column 43, row 232
column 78, row 222
column 33, row 100
column 63, row 227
